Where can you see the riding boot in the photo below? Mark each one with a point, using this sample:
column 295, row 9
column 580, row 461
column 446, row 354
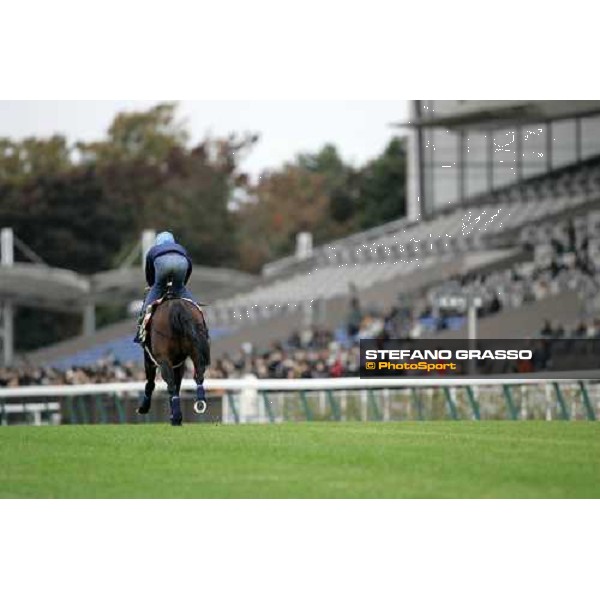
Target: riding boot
column 140, row 318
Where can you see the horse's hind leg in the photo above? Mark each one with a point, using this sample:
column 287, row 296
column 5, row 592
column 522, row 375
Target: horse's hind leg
column 168, row 374
column 179, row 371
column 150, row 369
column 179, row 377
column 199, row 370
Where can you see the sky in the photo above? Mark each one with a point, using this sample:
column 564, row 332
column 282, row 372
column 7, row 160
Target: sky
column 359, row 129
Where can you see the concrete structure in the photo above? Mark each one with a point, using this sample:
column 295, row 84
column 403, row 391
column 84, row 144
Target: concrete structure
column 463, row 149
column 39, row 286
column 6, row 305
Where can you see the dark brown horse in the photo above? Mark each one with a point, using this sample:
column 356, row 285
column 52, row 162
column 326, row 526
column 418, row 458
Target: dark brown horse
column 177, row 331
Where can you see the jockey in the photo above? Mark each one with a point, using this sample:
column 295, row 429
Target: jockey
column 165, row 261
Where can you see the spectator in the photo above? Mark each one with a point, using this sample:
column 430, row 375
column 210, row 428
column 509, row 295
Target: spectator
column 546, row 329
column 580, row 331
column 354, row 317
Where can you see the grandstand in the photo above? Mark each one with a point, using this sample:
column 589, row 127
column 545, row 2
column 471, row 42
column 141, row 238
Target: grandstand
column 480, row 231
column 491, row 184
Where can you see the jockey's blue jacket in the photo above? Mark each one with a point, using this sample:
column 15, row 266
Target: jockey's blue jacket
column 159, row 250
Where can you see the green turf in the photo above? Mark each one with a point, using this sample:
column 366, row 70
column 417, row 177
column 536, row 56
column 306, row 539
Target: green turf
column 303, row 460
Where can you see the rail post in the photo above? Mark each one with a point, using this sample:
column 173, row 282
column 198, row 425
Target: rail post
column 82, row 408
column 374, row 407
column 120, row 409
column 451, row 404
column 512, row 410
column 101, row 409
column 474, row 404
column 386, row 404
column 564, row 413
column 72, row 414
column 418, row 403
column 268, row 408
column 232, row 407
column 335, row 411
column 364, row 407
column 585, row 397
column 304, row 400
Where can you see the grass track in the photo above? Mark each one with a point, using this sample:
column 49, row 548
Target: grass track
column 303, row 460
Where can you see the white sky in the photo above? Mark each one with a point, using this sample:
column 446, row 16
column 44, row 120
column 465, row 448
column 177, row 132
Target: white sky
column 359, row 129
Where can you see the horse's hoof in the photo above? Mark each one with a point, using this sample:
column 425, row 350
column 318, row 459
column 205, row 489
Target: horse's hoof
column 144, row 407
column 176, row 422
column 200, row 407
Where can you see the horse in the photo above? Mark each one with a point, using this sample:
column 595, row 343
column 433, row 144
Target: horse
column 177, row 330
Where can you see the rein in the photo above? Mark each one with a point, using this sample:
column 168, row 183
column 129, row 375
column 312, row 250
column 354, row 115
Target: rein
column 154, row 360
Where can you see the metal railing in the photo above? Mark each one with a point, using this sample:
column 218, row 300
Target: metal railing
column 275, row 400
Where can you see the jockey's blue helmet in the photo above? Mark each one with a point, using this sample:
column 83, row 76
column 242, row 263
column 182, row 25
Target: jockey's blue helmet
column 164, row 237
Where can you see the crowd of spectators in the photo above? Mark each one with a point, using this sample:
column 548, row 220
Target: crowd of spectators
column 581, row 330
column 565, row 261
column 313, row 353
column 289, row 363
column 310, row 353
column 103, row 371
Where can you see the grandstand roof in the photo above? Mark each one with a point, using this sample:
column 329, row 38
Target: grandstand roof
column 60, row 289
column 42, row 286
column 485, row 114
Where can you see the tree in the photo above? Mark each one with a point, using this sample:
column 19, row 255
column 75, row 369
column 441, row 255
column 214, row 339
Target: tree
column 194, row 205
column 66, row 218
column 81, row 215
column 326, row 162
column 193, row 198
column 340, row 181
column 319, row 193
column 382, row 195
column 283, row 203
column 147, row 136
column 33, row 157
column 154, row 179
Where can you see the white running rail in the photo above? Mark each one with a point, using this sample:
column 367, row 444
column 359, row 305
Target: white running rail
column 250, row 399
column 252, row 383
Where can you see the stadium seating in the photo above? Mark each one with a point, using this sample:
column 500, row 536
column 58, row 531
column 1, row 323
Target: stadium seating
column 401, row 248
column 483, row 234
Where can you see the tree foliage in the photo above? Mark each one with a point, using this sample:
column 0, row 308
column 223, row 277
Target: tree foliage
column 322, row 194
column 82, row 205
column 79, row 206
column 282, row 204
column 382, row 192
column 23, row 160
column 146, row 136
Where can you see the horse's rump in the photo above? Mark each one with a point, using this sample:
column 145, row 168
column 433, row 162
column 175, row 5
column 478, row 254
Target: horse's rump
column 183, row 323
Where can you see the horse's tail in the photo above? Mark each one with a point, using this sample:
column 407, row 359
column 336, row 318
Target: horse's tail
column 183, row 324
